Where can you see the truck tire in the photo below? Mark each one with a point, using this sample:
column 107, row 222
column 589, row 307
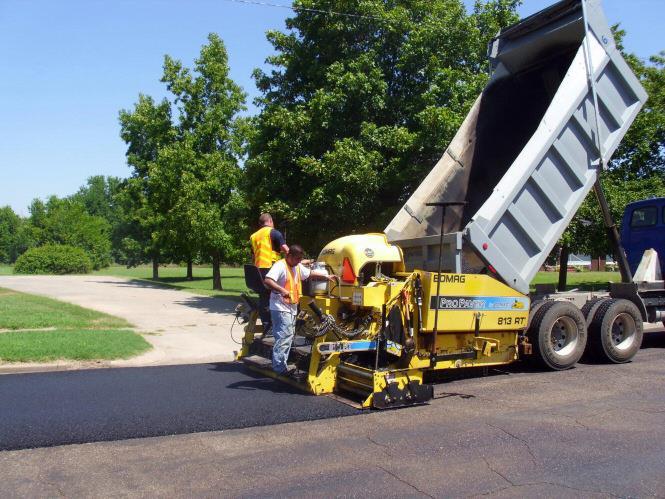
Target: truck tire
column 589, row 310
column 535, row 306
column 558, row 334
column 616, row 331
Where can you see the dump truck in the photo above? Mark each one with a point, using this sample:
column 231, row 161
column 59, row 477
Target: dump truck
column 434, row 293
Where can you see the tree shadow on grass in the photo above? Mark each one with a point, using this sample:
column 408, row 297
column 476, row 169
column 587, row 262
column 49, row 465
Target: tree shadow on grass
column 173, row 281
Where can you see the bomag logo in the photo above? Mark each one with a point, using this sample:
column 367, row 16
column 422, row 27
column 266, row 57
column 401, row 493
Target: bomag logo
column 450, row 278
column 328, row 251
column 518, row 304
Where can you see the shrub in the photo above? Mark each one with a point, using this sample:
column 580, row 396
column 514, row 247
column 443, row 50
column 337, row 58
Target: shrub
column 53, row 259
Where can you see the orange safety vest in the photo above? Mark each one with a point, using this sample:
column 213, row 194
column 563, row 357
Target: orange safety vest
column 293, row 283
column 264, row 256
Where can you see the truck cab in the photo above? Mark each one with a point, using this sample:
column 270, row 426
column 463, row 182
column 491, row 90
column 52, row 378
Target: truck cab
column 643, row 228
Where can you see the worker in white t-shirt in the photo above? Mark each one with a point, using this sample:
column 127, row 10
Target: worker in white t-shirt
column 285, row 283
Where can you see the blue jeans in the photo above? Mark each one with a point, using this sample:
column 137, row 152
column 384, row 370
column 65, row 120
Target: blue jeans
column 283, row 330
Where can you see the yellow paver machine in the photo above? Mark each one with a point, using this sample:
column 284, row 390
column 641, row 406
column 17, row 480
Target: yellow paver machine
column 374, row 336
column 435, row 292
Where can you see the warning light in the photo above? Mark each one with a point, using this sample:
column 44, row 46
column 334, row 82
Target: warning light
column 485, row 246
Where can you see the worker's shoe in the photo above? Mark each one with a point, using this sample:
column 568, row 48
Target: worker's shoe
column 289, row 372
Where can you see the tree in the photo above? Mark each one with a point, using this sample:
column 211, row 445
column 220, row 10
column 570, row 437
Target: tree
column 186, row 171
column 10, row 235
column 100, row 197
column 65, row 221
column 357, row 110
column 197, row 175
column 641, row 154
column 146, row 130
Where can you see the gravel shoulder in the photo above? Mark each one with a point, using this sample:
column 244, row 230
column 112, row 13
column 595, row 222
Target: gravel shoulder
column 183, row 328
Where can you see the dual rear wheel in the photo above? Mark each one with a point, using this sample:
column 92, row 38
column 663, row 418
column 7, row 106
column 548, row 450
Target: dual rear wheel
column 615, row 331
column 558, row 334
column 605, row 329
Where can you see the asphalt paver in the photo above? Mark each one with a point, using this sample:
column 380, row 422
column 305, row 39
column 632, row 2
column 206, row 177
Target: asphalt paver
column 56, row 408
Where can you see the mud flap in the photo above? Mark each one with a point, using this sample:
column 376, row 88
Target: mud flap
column 393, row 396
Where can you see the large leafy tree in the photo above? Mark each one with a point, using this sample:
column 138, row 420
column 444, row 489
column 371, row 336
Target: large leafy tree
column 15, row 235
column 146, row 129
column 358, row 108
column 197, row 176
column 185, row 153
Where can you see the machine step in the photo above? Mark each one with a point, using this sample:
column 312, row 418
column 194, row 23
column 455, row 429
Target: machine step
column 298, row 341
column 304, row 351
column 265, row 365
column 300, row 348
column 258, row 361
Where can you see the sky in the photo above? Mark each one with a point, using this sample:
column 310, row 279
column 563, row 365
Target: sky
column 68, row 67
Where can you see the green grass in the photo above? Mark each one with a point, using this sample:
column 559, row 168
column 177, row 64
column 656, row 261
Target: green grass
column 6, row 270
column 23, row 311
column 72, row 332
column 233, row 280
column 587, row 281
column 43, row 346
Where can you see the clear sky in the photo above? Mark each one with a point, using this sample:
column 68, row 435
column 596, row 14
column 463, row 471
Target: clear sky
column 68, row 67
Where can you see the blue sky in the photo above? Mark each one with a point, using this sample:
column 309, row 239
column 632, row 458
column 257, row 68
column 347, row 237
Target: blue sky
column 70, row 66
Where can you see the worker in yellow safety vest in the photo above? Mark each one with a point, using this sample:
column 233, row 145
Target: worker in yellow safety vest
column 267, row 242
column 285, row 283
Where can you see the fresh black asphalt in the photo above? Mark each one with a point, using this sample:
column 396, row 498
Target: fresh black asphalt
column 55, row 408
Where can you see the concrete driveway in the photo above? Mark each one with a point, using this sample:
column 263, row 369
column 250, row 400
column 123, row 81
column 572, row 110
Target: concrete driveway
column 182, row 327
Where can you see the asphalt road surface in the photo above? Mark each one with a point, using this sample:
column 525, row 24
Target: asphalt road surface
column 592, row 431
column 55, row 408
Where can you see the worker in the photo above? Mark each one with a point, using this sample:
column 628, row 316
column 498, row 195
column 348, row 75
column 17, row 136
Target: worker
column 267, row 242
column 285, row 282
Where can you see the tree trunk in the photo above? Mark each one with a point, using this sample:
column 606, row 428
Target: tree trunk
column 563, row 267
column 216, row 275
column 598, row 264
column 190, row 275
column 155, row 267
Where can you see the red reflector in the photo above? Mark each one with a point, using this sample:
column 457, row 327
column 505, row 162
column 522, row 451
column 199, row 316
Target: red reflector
column 492, row 270
column 347, row 272
column 485, row 246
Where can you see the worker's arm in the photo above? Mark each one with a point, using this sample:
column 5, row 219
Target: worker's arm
column 276, row 288
column 278, row 241
column 317, row 276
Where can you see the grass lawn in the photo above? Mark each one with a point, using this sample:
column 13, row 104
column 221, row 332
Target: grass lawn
column 24, row 311
column 86, row 344
column 73, row 332
column 233, row 280
column 234, row 283
column 6, row 270
column 587, row 281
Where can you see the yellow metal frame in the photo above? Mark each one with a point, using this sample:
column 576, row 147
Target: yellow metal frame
column 479, row 321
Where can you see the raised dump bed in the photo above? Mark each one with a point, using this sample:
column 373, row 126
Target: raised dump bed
column 527, row 154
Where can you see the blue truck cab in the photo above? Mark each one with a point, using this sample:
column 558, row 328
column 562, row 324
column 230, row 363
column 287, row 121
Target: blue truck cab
column 643, row 227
